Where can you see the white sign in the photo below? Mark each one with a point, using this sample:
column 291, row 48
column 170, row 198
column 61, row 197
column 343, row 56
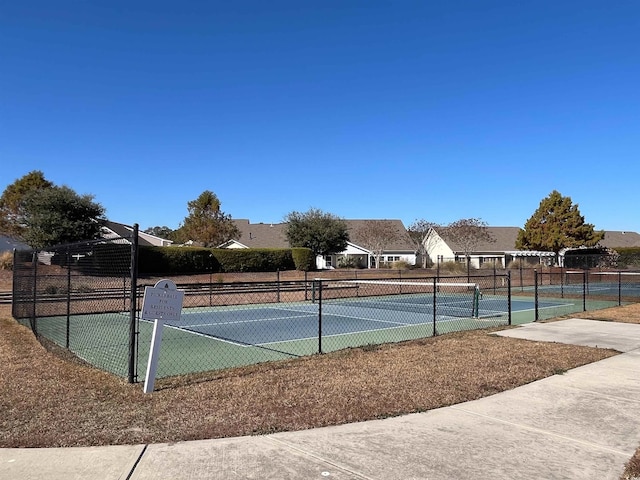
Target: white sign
column 161, row 302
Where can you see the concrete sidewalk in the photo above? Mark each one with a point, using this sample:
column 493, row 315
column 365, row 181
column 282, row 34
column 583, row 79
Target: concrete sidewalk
column 584, row 424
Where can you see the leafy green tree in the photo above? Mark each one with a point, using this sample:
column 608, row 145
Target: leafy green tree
column 58, row 215
column 323, row 233
column 557, row 224
column 206, row 224
column 162, row 232
column 12, row 212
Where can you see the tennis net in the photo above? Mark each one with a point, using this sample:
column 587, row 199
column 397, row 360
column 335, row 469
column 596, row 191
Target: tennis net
column 441, row 298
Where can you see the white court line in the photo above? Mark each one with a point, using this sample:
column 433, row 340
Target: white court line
column 306, row 314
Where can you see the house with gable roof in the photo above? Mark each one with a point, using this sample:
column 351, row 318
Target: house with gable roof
column 116, row 230
column 401, row 249
column 620, row 239
column 273, row 235
column 258, row 235
column 502, row 250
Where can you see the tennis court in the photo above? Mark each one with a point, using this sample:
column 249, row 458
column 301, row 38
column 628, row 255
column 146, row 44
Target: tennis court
column 218, row 337
column 274, row 324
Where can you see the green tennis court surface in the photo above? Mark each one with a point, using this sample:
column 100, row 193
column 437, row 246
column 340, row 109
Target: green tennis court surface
column 214, row 338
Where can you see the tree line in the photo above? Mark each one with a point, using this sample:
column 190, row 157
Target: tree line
column 42, row 214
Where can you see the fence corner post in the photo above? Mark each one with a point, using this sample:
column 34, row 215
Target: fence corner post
column 133, row 305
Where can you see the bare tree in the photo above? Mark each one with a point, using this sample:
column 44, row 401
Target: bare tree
column 468, row 233
column 421, row 233
column 376, row 235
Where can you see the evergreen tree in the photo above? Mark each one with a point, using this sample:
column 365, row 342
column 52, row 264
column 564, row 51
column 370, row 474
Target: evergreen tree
column 12, row 212
column 557, row 224
column 206, row 223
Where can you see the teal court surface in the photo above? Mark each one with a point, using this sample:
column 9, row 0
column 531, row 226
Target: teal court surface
column 214, row 338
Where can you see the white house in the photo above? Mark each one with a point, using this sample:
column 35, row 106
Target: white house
column 116, row 230
column 273, row 235
column 500, row 249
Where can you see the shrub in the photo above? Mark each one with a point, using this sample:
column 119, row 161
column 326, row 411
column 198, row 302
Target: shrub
column 345, row 261
column 176, row 260
column 401, row 265
column 6, row 261
column 453, row 267
column 303, row 259
column 254, row 259
column 183, row 260
column 629, row 257
column 490, row 264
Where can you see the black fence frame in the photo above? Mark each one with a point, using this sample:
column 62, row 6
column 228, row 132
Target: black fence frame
column 35, row 295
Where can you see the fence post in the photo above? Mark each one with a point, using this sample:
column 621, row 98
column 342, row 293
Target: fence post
column 535, row 295
column 435, row 286
column 619, row 288
column 584, row 290
column 14, row 284
column 521, row 281
column 319, row 288
column 68, row 298
column 133, row 305
column 34, row 317
column 495, row 279
column 509, row 294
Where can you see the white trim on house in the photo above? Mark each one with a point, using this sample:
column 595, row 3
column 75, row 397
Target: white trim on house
column 501, row 253
column 115, row 230
column 233, row 245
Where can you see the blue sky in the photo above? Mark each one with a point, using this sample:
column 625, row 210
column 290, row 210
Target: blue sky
column 364, row 109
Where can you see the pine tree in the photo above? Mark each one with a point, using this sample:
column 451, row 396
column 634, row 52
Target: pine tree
column 12, row 202
column 206, row 223
column 557, row 224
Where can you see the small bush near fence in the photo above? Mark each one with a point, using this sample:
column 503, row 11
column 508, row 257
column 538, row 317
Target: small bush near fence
column 6, row 261
column 304, row 259
column 453, row 267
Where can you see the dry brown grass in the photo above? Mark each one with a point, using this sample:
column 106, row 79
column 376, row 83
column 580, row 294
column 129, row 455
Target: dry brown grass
column 49, row 400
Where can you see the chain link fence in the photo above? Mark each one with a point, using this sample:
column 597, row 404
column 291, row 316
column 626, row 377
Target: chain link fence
column 78, row 297
column 87, row 297
column 226, row 325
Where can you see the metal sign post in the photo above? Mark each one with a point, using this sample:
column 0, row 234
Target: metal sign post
column 161, row 303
